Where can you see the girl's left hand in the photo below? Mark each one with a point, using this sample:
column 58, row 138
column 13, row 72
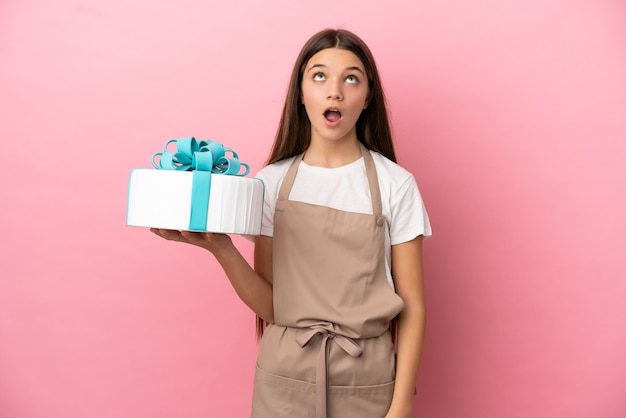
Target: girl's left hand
column 395, row 412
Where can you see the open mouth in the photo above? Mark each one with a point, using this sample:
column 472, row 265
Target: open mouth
column 332, row 115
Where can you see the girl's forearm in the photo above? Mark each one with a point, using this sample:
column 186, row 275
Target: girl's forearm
column 411, row 323
column 252, row 289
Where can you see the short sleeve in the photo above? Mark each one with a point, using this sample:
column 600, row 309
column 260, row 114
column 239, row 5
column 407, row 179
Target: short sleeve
column 272, row 176
column 269, row 205
column 409, row 218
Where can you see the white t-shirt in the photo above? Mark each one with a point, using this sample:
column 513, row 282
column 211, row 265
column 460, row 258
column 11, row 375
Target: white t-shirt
column 346, row 188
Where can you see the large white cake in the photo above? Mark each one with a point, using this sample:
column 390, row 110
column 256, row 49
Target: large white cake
column 163, row 199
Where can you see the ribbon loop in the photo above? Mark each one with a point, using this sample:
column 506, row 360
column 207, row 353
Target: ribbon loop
column 202, row 161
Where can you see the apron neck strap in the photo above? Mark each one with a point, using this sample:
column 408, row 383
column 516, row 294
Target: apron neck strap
column 289, row 179
column 372, row 178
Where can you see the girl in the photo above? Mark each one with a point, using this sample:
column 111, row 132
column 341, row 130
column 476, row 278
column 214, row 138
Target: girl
column 339, row 258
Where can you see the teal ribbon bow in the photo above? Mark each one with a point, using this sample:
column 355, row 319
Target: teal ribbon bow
column 204, row 158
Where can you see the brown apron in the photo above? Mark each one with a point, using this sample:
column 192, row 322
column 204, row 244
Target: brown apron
column 329, row 352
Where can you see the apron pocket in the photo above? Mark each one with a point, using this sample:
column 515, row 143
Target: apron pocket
column 282, row 397
column 359, row 401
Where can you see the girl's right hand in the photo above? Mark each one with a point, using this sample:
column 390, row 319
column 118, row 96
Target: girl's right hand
column 211, row 241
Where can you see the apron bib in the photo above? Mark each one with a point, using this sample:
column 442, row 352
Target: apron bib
column 329, row 352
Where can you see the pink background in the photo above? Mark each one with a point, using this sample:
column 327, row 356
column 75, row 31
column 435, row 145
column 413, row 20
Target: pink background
column 511, row 114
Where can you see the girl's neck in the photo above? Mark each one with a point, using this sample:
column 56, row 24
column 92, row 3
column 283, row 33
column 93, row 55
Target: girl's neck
column 332, row 154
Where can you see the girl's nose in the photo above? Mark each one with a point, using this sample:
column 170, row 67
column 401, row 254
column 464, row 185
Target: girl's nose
column 334, row 91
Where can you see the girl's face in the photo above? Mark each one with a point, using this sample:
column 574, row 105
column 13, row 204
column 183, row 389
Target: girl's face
column 334, row 92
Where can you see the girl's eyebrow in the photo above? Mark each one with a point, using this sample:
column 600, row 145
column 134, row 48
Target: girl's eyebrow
column 325, row 66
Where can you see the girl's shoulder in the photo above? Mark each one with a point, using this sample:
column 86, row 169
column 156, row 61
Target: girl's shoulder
column 387, row 170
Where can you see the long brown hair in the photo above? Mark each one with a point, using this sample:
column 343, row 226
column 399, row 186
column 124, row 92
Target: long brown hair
column 372, row 128
column 294, row 130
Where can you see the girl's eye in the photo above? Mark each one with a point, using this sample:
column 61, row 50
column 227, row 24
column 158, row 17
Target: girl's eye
column 318, row 76
column 352, row 79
